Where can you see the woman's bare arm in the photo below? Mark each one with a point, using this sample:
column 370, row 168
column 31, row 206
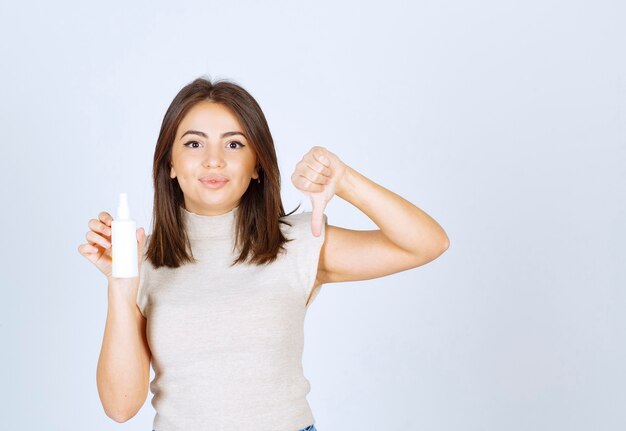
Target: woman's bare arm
column 408, row 237
column 124, row 364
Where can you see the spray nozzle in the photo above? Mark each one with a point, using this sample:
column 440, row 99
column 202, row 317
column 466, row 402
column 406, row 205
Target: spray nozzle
column 122, row 209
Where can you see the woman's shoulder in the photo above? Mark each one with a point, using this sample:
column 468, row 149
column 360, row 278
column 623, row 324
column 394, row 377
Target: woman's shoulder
column 295, row 222
column 297, row 218
column 300, row 225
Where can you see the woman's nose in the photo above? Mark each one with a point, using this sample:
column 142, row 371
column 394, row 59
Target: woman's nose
column 214, row 158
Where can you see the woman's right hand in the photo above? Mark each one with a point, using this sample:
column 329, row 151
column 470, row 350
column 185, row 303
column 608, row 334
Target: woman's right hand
column 98, row 248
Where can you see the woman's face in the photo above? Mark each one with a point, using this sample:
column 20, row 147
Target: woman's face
column 210, row 141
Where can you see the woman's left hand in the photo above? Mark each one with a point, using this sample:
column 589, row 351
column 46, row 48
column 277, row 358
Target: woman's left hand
column 319, row 176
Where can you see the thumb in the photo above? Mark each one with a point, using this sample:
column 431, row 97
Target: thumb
column 317, row 217
column 141, row 239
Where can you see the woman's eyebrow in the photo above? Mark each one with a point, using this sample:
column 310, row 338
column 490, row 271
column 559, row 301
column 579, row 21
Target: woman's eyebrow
column 204, row 135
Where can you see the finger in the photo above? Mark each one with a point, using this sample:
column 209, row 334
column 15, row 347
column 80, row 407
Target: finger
column 317, row 216
column 95, row 238
column 314, row 177
column 317, row 165
column 87, row 249
column 307, row 185
column 98, row 226
column 323, row 173
column 141, row 238
column 105, row 218
column 141, row 234
column 321, row 157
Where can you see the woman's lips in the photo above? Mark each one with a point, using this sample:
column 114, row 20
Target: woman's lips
column 213, row 184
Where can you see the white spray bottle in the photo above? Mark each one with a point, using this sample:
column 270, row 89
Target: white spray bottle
column 124, row 242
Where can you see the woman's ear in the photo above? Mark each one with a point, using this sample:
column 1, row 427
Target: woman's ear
column 172, row 172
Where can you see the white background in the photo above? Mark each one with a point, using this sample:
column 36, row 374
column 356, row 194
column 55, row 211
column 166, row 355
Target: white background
column 503, row 120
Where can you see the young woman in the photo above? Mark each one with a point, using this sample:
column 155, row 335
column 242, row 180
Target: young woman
column 226, row 276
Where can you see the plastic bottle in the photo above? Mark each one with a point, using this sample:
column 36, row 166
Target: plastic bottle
column 124, row 242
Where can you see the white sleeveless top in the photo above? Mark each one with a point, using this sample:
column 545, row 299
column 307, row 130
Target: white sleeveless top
column 226, row 342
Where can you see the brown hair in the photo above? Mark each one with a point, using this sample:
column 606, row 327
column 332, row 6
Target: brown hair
column 257, row 231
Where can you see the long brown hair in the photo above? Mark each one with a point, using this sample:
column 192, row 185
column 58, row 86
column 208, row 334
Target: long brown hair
column 258, row 234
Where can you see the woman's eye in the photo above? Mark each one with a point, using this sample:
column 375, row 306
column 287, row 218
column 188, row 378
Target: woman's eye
column 191, row 142
column 235, row 142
